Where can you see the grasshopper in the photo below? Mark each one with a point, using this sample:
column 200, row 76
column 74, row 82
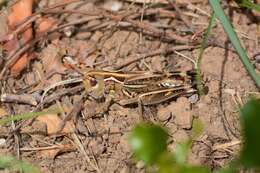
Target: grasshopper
column 141, row 87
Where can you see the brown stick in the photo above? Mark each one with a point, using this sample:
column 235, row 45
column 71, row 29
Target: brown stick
column 24, row 98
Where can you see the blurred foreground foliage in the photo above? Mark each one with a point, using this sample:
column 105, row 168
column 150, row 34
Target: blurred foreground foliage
column 149, row 144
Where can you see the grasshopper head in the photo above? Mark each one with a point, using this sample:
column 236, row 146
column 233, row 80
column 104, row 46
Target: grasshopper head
column 94, row 86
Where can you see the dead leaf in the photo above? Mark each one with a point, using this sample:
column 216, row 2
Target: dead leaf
column 156, row 63
column 51, row 61
column 45, row 24
column 19, row 12
column 90, row 60
column 37, row 127
column 20, row 64
column 52, row 153
column 52, row 121
column 87, row 52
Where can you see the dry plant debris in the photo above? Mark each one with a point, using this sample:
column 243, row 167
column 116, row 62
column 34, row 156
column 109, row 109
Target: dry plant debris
column 52, row 121
column 48, row 45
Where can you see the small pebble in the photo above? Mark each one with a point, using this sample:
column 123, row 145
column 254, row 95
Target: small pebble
column 113, row 5
column 2, row 141
column 69, row 31
column 194, row 98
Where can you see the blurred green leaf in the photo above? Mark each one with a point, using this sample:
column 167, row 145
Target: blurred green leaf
column 193, row 169
column 148, row 142
column 227, row 170
column 166, row 163
column 11, row 163
column 250, row 119
column 184, row 169
column 197, row 128
column 181, row 152
column 232, row 167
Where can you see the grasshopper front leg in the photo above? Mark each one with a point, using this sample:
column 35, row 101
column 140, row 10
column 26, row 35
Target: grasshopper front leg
column 140, row 109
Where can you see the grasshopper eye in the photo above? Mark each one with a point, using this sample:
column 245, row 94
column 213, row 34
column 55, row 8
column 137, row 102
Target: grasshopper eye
column 89, row 82
column 93, row 82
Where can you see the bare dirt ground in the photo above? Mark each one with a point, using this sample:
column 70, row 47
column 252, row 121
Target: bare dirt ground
column 129, row 36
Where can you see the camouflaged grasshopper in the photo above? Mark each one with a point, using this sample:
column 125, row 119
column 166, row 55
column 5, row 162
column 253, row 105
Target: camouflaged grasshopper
column 141, row 87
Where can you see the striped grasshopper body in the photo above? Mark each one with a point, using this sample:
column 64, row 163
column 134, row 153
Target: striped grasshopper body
column 146, row 87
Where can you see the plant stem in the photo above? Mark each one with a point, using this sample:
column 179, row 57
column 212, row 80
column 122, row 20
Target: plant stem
column 200, row 86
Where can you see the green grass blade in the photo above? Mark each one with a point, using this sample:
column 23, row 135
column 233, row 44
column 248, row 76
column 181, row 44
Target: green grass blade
column 203, row 46
column 248, row 4
column 26, row 116
column 215, row 5
column 12, row 164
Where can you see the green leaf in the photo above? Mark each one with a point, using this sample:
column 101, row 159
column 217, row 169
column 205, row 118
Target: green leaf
column 197, row 128
column 250, row 119
column 181, row 152
column 193, row 169
column 227, row 170
column 166, row 163
column 11, row 163
column 148, row 142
